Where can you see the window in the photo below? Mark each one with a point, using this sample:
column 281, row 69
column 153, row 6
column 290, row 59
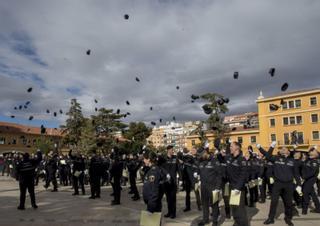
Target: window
column 291, row 104
column 273, row 137
column 253, row 139
column 298, row 103
column 285, row 105
column 2, row 140
column 285, row 121
column 314, row 118
column 313, row 101
column 272, row 122
column 193, row 142
column 299, row 119
column 240, row 140
column 14, row 141
column 286, row 138
column 292, row 120
column 300, row 138
column 315, row 135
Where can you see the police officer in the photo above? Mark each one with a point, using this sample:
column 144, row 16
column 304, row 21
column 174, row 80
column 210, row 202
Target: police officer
column 284, row 172
column 210, row 171
column 95, row 174
column 236, row 170
column 25, row 175
column 116, row 173
column 52, row 167
column 171, row 167
column 309, row 173
column 78, row 169
column 133, row 167
column 152, row 184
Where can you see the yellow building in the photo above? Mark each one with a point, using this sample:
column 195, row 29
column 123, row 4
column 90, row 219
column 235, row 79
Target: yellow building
column 298, row 111
column 21, row 138
column 157, row 137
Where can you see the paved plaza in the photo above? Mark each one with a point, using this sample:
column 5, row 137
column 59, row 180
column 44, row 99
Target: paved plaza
column 61, row 208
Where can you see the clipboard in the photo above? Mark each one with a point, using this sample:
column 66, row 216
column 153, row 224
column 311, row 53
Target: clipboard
column 235, row 198
column 150, row 219
column 226, row 190
column 215, row 196
column 77, row 173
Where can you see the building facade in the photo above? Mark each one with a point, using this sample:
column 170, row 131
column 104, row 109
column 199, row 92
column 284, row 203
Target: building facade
column 21, row 138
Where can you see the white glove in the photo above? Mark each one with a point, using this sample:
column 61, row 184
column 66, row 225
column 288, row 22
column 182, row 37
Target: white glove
column 258, row 146
column 295, row 146
column 273, row 144
column 168, row 177
column 236, row 191
column 315, row 147
column 299, row 190
column 195, row 175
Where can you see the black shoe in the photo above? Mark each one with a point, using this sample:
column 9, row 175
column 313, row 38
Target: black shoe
column 92, row 197
column 167, row 215
column 173, row 216
column 112, row 194
column 288, row 221
column 113, row 203
column 54, row 190
column 269, row 221
column 34, row 206
column 98, row 197
column 203, row 223
column 304, row 212
column 228, row 216
column 186, row 209
column 135, row 198
column 75, row 194
column 262, row 201
column 21, row 208
column 315, row 211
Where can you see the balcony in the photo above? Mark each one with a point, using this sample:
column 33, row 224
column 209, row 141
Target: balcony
column 288, row 143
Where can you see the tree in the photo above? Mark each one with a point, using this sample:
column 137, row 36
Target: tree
column 106, row 125
column 88, row 139
column 138, row 134
column 215, row 107
column 74, row 124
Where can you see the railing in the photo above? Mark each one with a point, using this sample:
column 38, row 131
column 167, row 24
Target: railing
column 289, row 143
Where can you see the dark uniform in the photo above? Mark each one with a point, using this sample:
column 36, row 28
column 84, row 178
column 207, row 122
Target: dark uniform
column 95, row 174
column 133, row 167
column 236, row 170
column 284, row 172
column 153, row 189
column 171, row 167
column 309, row 173
column 52, row 168
column 78, row 169
column 211, row 179
column 116, row 174
column 25, row 175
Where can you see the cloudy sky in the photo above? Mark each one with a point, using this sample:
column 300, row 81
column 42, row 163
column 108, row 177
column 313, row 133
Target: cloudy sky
column 166, row 43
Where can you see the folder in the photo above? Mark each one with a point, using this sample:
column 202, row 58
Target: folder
column 235, row 198
column 215, row 196
column 226, row 189
column 271, row 180
column 260, row 181
column 197, row 186
column 77, row 173
column 150, row 219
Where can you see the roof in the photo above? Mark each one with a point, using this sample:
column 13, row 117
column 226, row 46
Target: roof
column 7, row 127
column 290, row 94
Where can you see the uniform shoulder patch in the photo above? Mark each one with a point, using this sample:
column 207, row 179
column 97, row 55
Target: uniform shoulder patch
column 152, row 178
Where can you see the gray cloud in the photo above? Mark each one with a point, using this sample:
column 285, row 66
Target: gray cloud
column 196, row 45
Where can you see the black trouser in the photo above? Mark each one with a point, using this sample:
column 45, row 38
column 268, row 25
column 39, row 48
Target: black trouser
column 95, row 186
column 188, row 186
column 171, row 195
column 239, row 212
column 253, row 192
column 24, row 185
column 263, row 189
column 76, row 182
column 133, row 185
column 308, row 190
column 206, row 200
column 52, row 178
column 285, row 190
column 117, row 189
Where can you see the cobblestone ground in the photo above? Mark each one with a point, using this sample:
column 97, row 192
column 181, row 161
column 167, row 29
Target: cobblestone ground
column 61, row 208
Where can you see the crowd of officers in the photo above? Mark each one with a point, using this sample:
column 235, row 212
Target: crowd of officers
column 290, row 174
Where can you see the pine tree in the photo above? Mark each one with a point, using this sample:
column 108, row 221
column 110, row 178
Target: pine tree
column 137, row 133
